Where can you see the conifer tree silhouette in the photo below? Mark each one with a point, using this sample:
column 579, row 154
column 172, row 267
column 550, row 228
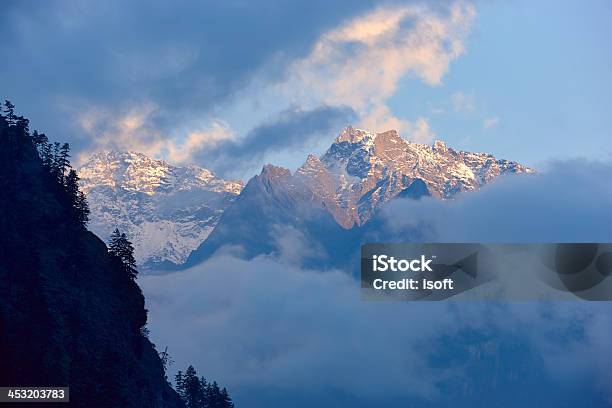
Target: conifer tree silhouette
column 122, row 249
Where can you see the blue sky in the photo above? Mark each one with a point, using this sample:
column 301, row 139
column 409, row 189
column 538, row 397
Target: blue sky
column 542, row 68
column 251, row 83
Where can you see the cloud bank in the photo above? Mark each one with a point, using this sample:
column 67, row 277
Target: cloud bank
column 277, row 334
column 568, row 201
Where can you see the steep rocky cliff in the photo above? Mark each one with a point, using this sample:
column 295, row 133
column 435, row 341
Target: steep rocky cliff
column 68, row 315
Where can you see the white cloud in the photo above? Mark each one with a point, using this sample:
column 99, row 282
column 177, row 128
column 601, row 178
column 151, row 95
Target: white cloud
column 380, row 119
column 182, row 152
column 265, row 323
column 419, row 131
column 489, row 123
column 360, row 63
column 135, row 129
column 269, row 330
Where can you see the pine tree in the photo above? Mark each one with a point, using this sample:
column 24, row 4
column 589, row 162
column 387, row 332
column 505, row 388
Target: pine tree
column 63, row 160
column 76, row 197
column 209, row 396
column 214, row 396
column 113, row 246
column 55, row 164
column 218, row 398
column 23, row 124
column 179, row 382
column 38, row 140
column 204, row 386
column 225, row 400
column 9, row 110
column 82, row 208
column 41, row 142
column 194, row 394
column 123, row 250
column 71, row 185
column 46, row 154
column 198, row 393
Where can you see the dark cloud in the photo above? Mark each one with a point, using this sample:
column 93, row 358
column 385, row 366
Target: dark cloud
column 185, row 56
column 292, row 128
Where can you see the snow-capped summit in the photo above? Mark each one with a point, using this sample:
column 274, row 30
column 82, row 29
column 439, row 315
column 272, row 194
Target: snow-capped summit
column 166, row 210
column 169, row 211
column 137, row 172
column 328, row 201
column 353, row 135
column 439, row 146
column 362, row 170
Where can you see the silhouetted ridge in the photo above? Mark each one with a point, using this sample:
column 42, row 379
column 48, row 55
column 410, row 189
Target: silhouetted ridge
column 70, row 315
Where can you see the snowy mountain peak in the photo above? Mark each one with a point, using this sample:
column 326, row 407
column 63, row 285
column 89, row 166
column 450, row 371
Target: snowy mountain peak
column 352, row 135
column 362, row 170
column 343, row 189
column 439, row 145
column 166, row 210
column 137, row 172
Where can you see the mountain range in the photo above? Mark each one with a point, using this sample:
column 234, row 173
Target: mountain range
column 179, row 216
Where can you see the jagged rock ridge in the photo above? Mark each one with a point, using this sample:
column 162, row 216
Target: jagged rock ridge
column 170, row 211
column 362, row 170
column 329, row 200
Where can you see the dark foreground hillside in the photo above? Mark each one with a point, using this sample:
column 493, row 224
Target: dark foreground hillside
column 69, row 315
